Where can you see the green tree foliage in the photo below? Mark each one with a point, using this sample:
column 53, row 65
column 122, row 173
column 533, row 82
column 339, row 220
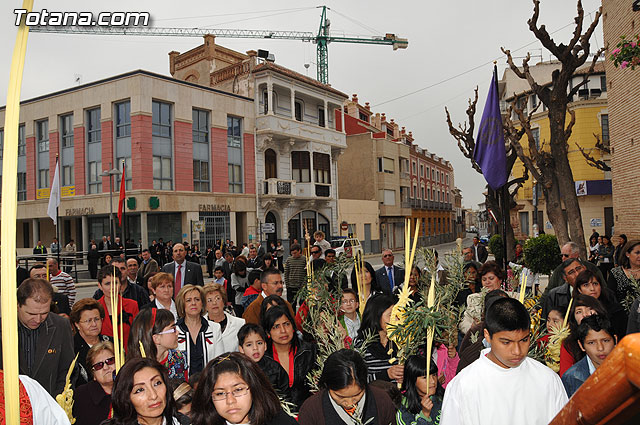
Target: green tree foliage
column 542, row 254
column 495, row 246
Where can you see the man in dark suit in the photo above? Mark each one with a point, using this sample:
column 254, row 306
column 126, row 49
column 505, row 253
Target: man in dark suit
column 148, row 267
column 45, row 343
column 184, row 272
column 389, row 277
column 480, row 253
column 253, row 261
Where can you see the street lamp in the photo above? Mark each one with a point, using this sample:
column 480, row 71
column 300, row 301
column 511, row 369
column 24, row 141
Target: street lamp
column 110, row 174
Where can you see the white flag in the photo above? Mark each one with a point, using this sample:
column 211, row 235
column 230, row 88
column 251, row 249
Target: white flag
column 54, row 197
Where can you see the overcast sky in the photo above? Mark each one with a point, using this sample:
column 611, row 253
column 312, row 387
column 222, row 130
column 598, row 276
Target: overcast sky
column 445, row 39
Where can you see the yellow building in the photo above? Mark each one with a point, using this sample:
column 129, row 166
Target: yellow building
column 593, row 186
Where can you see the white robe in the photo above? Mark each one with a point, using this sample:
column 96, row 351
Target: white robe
column 45, row 409
column 485, row 393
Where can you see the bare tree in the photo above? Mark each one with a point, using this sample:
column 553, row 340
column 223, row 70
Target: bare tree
column 552, row 168
column 463, row 134
column 596, row 163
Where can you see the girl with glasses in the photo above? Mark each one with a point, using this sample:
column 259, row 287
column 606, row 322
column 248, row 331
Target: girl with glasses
column 155, row 329
column 93, row 400
column 141, row 395
column 86, row 315
column 233, row 390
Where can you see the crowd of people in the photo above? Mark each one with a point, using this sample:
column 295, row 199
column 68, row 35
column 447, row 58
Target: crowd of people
column 235, row 351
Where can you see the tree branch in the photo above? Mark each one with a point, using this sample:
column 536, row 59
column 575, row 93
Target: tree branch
column 541, row 32
column 464, row 134
column 572, row 121
column 600, row 145
column 577, row 32
column 596, row 163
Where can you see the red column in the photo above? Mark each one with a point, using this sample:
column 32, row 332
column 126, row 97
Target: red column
column 80, row 161
column 249, row 164
column 31, row 168
column 141, row 153
column 54, row 148
column 219, row 161
column 183, row 156
column 107, row 152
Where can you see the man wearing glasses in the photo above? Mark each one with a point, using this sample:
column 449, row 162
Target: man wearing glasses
column 568, row 250
column 389, row 276
column 45, row 344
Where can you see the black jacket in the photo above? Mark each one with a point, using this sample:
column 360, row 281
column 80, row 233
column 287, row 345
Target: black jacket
column 303, row 362
column 558, row 297
column 81, row 348
column 482, row 253
column 277, row 376
column 91, row 404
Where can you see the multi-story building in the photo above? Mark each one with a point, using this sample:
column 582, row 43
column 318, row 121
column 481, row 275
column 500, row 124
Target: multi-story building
column 623, row 89
column 297, row 131
column 375, row 168
column 432, row 196
column 593, row 186
column 176, row 139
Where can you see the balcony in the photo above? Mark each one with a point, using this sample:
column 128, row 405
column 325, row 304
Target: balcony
column 406, row 204
column 404, row 175
column 280, row 188
column 415, row 203
column 288, row 128
column 323, row 190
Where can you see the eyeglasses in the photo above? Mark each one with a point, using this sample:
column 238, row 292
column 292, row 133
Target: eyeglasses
column 173, row 330
column 91, row 321
column 565, row 255
column 236, row 392
column 315, row 252
column 387, row 255
column 348, row 301
column 107, row 362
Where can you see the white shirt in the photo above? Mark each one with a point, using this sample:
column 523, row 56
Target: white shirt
column 172, row 308
column 485, row 393
column 46, row 411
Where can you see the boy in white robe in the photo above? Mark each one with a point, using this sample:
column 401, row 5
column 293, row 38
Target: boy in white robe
column 504, row 386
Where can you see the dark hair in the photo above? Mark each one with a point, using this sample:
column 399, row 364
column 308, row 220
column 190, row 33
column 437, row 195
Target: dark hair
column 414, row 368
column 146, row 250
column 624, row 260
column 186, row 392
column 391, row 389
column 329, row 251
column 108, row 270
column 342, row 369
column 239, row 266
column 492, row 267
column 569, row 261
column 376, row 305
column 267, row 302
column 253, row 275
column 272, row 315
column 506, row 314
column 593, row 236
column 584, row 277
column 266, row 257
column 571, row 342
column 123, row 411
column 218, row 268
column 492, row 297
column 268, row 272
column 248, row 329
column 375, row 286
column 594, row 323
column 295, row 247
column 560, row 309
column 265, row 404
column 149, row 322
column 350, row 291
column 85, row 304
column 39, row 289
column 624, row 238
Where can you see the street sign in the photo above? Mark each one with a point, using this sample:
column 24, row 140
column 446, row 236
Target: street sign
column 268, row 227
column 344, row 226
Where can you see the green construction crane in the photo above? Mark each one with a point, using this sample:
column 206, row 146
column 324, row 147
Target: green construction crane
column 322, row 39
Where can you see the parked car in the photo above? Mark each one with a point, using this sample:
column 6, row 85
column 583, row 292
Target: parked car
column 485, row 239
column 347, row 246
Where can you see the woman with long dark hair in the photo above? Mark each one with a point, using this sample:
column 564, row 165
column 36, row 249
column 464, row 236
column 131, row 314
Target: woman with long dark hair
column 422, row 395
column 621, row 278
column 233, row 390
column 141, row 395
column 296, row 356
column 375, row 319
column 345, row 397
column 371, row 286
column 588, row 283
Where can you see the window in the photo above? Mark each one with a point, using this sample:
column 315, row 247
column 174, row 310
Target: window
column 603, row 83
column 524, row 222
column 386, row 165
column 200, row 129
column 321, row 117
column 534, row 101
column 413, row 167
column 161, row 121
column 447, row 197
column 67, row 175
column 428, row 195
column 128, row 173
column 42, row 136
column 265, row 101
column 66, row 127
column 322, row 167
column 95, row 181
column 162, row 173
column 604, row 122
column 300, row 166
column 422, row 190
column 433, row 174
column 414, row 193
column 389, row 197
column 363, row 117
column 438, row 195
column 298, row 110
column 389, row 130
column 536, row 136
column 43, row 179
column 22, row 142
column 123, row 119
column 22, row 186
column 200, row 176
column 234, row 153
column 437, row 176
column 421, row 170
column 94, row 132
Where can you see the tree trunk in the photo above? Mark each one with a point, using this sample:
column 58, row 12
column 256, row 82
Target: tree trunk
column 494, row 204
column 554, row 212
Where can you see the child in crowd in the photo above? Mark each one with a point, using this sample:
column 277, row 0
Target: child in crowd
column 422, row 397
column 596, row 337
column 218, row 275
column 252, row 342
column 350, row 318
column 254, row 289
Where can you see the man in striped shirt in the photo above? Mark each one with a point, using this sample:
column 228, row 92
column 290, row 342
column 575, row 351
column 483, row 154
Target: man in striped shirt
column 62, row 281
